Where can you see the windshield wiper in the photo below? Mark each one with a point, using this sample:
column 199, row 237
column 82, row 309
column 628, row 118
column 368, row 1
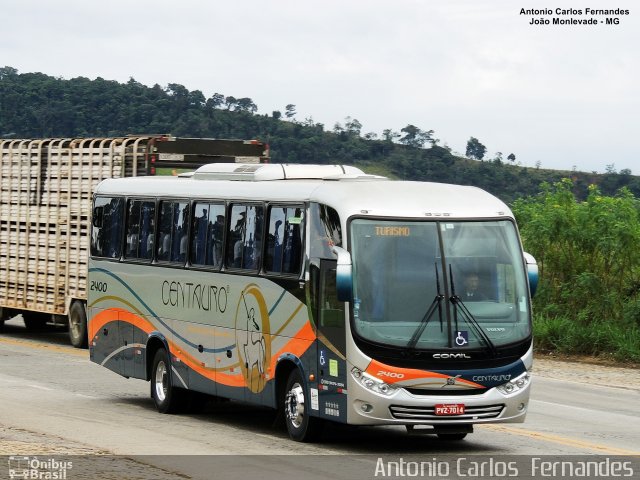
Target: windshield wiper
column 468, row 317
column 436, row 304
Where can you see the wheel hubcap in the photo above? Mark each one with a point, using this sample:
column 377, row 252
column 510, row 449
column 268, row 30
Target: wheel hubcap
column 294, row 403
column 74, row 323
column 161, row 381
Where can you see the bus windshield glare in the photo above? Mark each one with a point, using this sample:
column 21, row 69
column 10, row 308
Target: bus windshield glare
column 434, row 285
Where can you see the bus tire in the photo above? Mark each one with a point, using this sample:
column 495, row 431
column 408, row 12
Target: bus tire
column 167, row 398
column 78, row 325
column 295, row 408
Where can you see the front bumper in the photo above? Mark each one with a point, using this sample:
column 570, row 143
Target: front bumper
column 405, row 408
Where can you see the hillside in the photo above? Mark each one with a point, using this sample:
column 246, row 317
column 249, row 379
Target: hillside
column 34, row 105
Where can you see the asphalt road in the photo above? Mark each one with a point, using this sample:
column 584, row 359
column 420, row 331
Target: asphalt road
column 53, row 400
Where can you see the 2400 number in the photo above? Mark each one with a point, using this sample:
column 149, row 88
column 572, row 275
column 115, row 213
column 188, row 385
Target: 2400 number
column 98, row 286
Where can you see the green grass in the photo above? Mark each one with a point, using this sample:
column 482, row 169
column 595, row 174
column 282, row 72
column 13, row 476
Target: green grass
column 601, row 339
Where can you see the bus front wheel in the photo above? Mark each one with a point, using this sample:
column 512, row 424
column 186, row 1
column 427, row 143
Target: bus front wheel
column 78, row 325
column 168, row 399
column 301, row 426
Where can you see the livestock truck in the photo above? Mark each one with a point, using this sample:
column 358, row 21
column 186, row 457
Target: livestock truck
column 46, row 191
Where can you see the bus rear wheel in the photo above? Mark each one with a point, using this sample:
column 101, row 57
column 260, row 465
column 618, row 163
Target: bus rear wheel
column 301, row 426
column 78, row 325
column 167, row 398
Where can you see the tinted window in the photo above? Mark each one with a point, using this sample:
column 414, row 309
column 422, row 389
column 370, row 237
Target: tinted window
column 106, row 233
column 173, row 231
column 244, row 242
column 208, row 229
column 140, row 229
column 284, row 240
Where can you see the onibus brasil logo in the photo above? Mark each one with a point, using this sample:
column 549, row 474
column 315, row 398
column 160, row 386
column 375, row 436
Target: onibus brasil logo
column 21, row 467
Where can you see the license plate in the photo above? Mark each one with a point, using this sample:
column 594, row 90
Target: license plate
column 450, row 409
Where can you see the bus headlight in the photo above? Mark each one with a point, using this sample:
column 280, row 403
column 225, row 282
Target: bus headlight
column 515, row 385
column 372, row 383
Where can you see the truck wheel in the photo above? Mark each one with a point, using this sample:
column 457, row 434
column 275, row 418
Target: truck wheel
column 35, row 321
column 78, row 325
column 301, row 426
column 168, row 399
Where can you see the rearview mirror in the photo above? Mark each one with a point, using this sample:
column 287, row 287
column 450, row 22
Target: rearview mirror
column 532, row 272
column 344, row 275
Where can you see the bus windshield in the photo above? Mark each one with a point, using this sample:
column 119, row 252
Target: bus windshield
column 434, row 285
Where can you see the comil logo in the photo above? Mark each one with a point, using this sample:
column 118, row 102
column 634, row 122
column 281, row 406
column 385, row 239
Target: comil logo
column 38, row 468
column 451, row 355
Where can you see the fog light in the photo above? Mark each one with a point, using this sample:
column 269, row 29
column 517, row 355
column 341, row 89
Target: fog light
column 366, row 408
column 521, row 406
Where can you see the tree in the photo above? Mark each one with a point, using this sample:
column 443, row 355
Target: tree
column 475, row 149
column 389, row 135
column 414, row 137
column 352, row 126
column 230, row 102
column 512, row 158
column 215, row 101
column 246, row 105
column 290, row 111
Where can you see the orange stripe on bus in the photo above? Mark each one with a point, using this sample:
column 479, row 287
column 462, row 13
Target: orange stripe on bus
column 396, row 375
column 113, row 314
column 297, row 346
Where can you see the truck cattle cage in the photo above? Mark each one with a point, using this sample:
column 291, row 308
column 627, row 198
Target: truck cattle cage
column 45, row 208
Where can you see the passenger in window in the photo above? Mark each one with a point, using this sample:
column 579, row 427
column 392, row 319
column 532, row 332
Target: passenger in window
column 132, row 243
column 202, row 222
column 216, row 247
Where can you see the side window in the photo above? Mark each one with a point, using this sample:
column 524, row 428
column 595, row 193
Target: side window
column 208, row 230
column 107, row 227
column 173, row 230
column 140, row 229
column 244, row 240
column 325, row 231
column 284, row 240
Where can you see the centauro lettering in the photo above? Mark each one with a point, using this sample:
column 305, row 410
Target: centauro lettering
column 189, row 295
column 491, row 378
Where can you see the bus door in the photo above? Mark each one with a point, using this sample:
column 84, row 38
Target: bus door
column 332, row 366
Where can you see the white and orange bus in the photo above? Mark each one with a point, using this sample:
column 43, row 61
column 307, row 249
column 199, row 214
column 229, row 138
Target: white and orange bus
column 318, row 290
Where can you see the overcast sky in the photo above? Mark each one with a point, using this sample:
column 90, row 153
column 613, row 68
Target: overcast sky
column 563, row 95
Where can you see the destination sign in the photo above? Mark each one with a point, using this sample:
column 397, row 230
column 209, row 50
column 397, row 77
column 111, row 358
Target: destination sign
column 393, row 231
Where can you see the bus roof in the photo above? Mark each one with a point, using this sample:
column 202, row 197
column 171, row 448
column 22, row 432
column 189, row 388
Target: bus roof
column 347, row 189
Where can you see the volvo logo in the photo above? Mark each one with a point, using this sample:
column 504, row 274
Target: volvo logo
column 451, row 355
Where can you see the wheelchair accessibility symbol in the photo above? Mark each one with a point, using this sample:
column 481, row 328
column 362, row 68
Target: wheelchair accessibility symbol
column 462, row 338
column 323, row 360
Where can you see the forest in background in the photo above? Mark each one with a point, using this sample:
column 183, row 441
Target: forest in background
column 583, row 227
column 36, row 105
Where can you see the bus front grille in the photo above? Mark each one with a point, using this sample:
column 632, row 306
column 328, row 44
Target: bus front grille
column 403, row 412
